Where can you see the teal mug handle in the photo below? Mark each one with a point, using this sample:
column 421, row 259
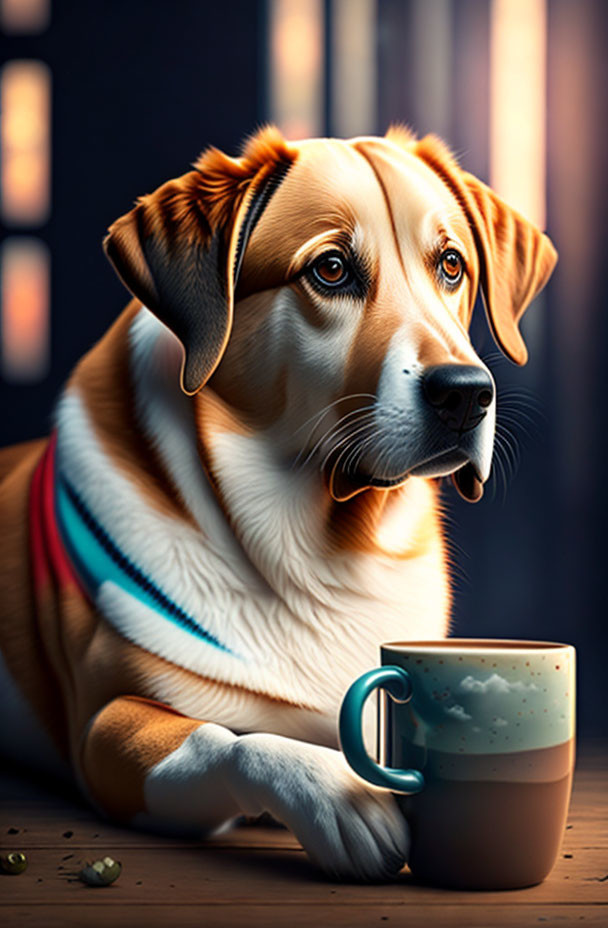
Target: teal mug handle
column 397, row 682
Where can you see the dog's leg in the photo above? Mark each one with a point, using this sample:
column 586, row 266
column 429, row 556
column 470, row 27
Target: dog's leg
column 144, row 763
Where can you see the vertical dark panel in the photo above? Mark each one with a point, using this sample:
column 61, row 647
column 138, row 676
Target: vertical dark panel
column 578, row 151
column 328, row 68
column 534, row 565
column 470, row 91
column 262, row 74
column 596, row 646
column 394, row 55
column 139, row 89
column 500, row 543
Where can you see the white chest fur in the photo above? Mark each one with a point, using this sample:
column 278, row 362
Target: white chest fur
column 297, row 625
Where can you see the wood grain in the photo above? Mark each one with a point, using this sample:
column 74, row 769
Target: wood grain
column 259, row 876
column 227, row 915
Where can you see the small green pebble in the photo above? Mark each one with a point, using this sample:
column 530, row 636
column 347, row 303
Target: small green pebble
column 14, row 862
column 101, row 872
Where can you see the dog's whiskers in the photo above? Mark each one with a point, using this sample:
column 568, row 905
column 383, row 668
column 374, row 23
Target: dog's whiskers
column 521, row 401
column 521, row 422
column 533, row 413
column 346, row 451
column 427, row 436
column 510, row 435
column 522, row 392
column 350, row 466
column 325, row 409
column 516, row 414
column 327, row 434
column 362, row 424
column 517, row 423
column 498, row 469
column 385, row 456
column 321, row 414
column 511, row 457
column 341, row 426
column 361, row 449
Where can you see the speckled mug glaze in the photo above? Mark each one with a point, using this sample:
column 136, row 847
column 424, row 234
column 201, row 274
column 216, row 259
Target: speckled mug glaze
column 490, row 725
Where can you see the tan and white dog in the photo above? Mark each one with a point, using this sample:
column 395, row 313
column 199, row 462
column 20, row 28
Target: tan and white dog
column 237, row 504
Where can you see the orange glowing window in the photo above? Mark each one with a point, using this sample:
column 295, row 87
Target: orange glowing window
column 25, row 89
column 296, row 67
column 25, row 275
column 518, row 104
column 24, row 16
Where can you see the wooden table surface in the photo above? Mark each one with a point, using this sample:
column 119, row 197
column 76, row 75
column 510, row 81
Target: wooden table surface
column 259, row 876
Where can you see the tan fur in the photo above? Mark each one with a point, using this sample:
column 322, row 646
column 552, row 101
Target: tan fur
column 157, row 730
column 103, row 379
column 230, row 383
column 24, row 642
column 67, row 660
column 501, row 234
column 353, row 525
column 223, row 180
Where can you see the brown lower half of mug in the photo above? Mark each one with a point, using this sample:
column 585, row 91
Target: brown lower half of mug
column 487, row 835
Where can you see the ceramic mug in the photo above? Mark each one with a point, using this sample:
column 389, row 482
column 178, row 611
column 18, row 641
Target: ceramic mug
column 476, row 741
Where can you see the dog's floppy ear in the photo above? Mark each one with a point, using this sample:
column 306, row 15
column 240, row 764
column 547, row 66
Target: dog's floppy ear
column 516, row 258
column 180, row 249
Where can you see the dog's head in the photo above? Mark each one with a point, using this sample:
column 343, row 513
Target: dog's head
column 324, row 290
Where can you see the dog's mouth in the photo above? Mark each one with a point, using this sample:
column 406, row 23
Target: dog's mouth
column 464, row 473
column 468, row 483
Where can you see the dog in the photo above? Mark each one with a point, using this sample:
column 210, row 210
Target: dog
column 241, row 495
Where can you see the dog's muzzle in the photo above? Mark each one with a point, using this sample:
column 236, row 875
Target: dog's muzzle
column 460, row 395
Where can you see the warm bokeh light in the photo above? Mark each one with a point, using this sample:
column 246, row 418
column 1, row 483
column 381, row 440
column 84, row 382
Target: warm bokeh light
column 354, row 83
column 25, row 275
column 18, row 17
column 518, row 104
column 296, row 67
column 25, row 103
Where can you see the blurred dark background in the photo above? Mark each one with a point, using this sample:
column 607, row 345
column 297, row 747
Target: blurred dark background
column 140, row 87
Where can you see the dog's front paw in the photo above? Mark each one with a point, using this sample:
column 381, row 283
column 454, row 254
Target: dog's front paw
column 349, row 828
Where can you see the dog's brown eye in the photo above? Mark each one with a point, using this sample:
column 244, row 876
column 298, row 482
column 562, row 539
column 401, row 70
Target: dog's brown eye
column 331, row 270
column 451, row 266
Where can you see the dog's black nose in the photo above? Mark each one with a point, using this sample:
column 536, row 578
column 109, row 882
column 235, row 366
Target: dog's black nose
column 459, row 393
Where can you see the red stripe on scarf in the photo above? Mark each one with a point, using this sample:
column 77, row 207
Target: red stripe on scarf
column 49, row 558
